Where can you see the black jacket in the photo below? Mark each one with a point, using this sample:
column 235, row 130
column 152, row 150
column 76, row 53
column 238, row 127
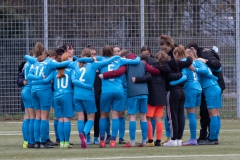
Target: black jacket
column 213, row 63
column 20, row 77
column 97, row 86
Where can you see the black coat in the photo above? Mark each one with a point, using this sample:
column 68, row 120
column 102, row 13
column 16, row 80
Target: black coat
column 157, row 86
column 213, row 63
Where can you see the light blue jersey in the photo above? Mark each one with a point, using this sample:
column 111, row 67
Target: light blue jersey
column 115, row 84
column 26, row 70
column 204, row 73
column 86, row 74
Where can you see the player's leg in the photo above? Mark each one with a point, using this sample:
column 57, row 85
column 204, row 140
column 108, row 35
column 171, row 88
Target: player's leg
column 150, row 113
column 158, row 114
column 143, row 119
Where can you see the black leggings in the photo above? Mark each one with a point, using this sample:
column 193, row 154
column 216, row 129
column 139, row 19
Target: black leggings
column 204, row 119
column 175, row 112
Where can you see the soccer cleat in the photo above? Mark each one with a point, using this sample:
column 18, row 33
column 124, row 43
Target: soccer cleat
column 122, row 141
column 89, row 141
column 179, row 142
column 37, row 145
column 201, row 141
column 150, row 144
column 128, row 145
column 61, row 144
column 45, row 145
column 157, row 143
column 96, row 141
column 112, row 144
column 57, row 142
column 30, row 145
column 25, row 144
column 83, row 140
column 102, row 144
column 67, row 145
column 108, row 139
column 171, row 143
column 50, row 143
column 165, row 140
column 211, row 142
column 190, row 142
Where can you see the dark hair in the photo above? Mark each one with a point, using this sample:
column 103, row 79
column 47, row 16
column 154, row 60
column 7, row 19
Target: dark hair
column 114, row 46
column 192, row 44
column 86, row 52
column 165, row 39
column 67, row 46
column 91, row 47
column 124, row 52
column 43, row 56
column 59, row 51
column 146, row 48
column 53, row 54
column 107, row 51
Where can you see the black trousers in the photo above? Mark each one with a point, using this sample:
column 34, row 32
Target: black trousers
column 96, row 120
column 204, row 119
column 175, row 111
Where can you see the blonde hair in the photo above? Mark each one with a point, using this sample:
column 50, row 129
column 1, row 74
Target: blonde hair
column 181, row 51
column 162, row 56
column 193, row 51
column 165, row 39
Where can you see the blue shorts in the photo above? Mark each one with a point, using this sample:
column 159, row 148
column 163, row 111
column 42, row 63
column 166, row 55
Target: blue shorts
column 42, row 100
column 193, row 98
column 137, row 104
column 26, row 98
column 63, row 106
column 114, row 100
column 213, row 96
column 88, row 105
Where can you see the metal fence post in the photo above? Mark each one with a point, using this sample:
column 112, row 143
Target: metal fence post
column 27, row 35
column 46, row 24
column 238, row 56
column 142, row 21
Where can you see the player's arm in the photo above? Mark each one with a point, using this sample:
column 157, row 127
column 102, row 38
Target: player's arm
column 86, row 59
column 164, row 68
column 182, row 79
column 78, row 83
column 146, row 78
column 106, row 61
column 115, row 73
column 185, row 64
column 30, row 59
column 31, row 76
column 125, row 61
column 151, row 69
column 210, row 60
column 55, row 65
column 48, row 79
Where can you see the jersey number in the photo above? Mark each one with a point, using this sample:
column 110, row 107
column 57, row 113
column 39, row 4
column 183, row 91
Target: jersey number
column 110, row 69
column 83, row 70
column 60, row 82
column 41, row 71
column 195, row 76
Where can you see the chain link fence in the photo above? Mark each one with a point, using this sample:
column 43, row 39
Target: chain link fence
column 127, row 23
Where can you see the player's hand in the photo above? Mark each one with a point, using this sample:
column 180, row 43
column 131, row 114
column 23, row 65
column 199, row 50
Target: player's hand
column 25, row 82
column 191, row 68
column 133, row 79
column 43, row 76
column 101, row 76
column 203, row 60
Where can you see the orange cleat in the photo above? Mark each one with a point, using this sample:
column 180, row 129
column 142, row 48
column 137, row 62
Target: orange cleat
column 112, row 144
column 102, row 144
column 127, row 145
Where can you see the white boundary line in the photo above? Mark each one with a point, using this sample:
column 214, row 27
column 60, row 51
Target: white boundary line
column 168, row 156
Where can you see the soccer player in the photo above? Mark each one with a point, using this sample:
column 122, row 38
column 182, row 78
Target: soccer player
column 112, row 97
column 212, row 60
column 42, row 94
column 84, row 98
column 213, row 98
column 193, row 92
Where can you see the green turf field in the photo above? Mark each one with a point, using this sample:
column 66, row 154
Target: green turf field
column 229, row 147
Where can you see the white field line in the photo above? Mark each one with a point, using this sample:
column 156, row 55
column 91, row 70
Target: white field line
column 167, row 156
column 16, row 133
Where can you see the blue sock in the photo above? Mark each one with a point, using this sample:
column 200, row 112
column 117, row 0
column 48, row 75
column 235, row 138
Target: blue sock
column 31, row 131
column 115, row 127
column 132, row 130
column 27, row 128
column 153, row 126
column 37, row 123
column 48, row 131
column 144, row 128
column 67, row 131
column 219, row 127
column 55, row 124
column 102, row 128
column 192, row 125
column 80, row 126
column 61, row 131
column 213, row 127
column 122, row 122
column 44, row 130
column 108, row 126
column 24, row 131
column 167, row 129
column 88, row 126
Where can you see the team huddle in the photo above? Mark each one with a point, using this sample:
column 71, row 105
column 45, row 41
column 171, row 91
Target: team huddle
column 96, row 87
